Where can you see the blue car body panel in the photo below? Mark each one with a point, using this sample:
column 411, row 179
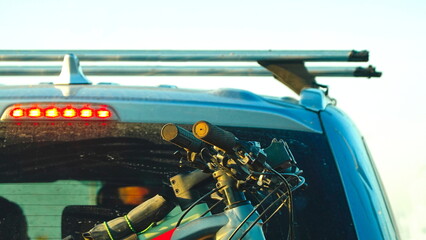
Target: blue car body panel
column 366, row 200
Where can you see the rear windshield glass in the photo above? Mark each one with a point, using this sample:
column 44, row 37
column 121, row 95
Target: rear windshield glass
column 51, row 172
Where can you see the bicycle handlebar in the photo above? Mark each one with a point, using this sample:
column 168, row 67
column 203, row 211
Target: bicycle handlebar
column 181, row 137
column 214, row 135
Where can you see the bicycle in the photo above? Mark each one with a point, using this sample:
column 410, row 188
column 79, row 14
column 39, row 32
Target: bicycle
column 237, row 167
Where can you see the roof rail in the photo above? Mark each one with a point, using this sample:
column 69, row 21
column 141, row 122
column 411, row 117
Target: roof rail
column 285, row 65
column 188, row 55
column 123, row 70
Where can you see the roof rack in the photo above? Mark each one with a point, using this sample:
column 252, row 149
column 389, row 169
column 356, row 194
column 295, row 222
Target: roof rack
column 286, row 66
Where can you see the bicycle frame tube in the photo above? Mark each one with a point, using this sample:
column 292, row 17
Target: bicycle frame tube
column 221, row 226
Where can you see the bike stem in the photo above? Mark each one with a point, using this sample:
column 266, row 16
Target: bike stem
column 228, row 189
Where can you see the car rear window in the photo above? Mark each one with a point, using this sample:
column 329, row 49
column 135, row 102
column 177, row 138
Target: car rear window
column 48, row 168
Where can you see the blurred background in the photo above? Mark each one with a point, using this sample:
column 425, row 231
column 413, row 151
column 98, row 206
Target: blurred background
column 389, row 111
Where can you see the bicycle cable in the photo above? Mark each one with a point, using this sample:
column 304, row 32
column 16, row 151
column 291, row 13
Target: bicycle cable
column 212, row 207
column 279, row 208
column 261, row 215
column 290, row 204
column 194, row 204
column 252, row 212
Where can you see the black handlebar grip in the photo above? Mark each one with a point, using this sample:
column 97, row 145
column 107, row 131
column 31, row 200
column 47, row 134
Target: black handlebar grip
column 214, row 135
column 181, row 137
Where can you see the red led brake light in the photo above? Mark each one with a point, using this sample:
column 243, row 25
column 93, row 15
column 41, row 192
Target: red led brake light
column 69, row 112
column 103, row 113
column 35, row 112
column 59, row 111
column 86, row 113
column 17, row 113
column 52, row 112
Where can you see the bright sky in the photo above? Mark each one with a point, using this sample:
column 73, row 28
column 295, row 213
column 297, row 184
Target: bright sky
column 389, row 111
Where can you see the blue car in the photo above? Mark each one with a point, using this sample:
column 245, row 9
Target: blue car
column 75, row 154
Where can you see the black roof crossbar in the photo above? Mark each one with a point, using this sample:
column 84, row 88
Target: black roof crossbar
column 286, row 66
